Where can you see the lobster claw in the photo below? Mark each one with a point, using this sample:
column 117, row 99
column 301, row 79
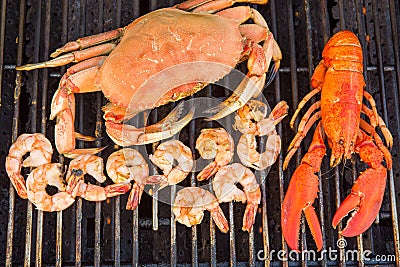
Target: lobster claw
column 302, row 192
column 365, row 199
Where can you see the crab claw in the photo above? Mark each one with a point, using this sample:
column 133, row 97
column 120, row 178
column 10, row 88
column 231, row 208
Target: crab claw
column 127, row 135
column 301, row 194
column 365, row 199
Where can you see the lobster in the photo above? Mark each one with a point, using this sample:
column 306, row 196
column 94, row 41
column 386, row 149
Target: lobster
column 339, row 79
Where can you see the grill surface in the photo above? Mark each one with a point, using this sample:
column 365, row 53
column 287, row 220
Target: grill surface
column 107, row 234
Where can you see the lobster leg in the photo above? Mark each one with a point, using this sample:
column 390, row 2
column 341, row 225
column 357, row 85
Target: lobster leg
column 302, row 103
column 316, row 82
column 386, row 133
column 366, row 195
column 294, row 145
column 302, row 192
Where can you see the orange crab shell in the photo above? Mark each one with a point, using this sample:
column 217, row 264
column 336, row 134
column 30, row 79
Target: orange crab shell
column 163, row 39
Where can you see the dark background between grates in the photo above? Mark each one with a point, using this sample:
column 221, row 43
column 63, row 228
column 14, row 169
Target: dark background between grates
column 106, row 232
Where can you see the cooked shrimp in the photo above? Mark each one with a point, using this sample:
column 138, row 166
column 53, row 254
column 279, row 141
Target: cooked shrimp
column 250, row 119
column 40, row 153
column 214, row 144
column 189, row 206
column 36, row 183
column 247, row 146
column 224, row 186
column 126, row 165
column 164, row 157
column 92, row 165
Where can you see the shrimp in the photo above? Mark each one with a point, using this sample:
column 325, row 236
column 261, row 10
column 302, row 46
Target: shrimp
column 189, row 206
column 124, row 166
column 247, row 146
column 93, row 165
column 248, row 117
column 40, row 153
column 224, row 186
column 36, row 183
column 214, row 144
column 164, row 157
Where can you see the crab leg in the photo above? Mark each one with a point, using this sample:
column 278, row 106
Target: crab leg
column 127, row 135
column 89, row 41
column 367, row 193
column 212, row 6
column 78, row 79
column 302, row 192
column 73, row 57
column 258, row 62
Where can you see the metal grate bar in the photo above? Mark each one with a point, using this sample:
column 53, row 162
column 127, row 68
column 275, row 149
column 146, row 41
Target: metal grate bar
column 386, row 68
column 153, row 6
column 98, row 135
column 213, row 243
column 295, row 97
column 232, row 238
column 361, row 29
column 117, row 232
column 310, row 74
column 280, row 158
column 80, row 105
column 64, row 38
column 395, row 38
column 135, row 213
column 341, row 15
column 361, row 32
column 385, row 118
column 396, row 49
column 342, row 258
column 192, row 144
column 117, row 199
column 2, row 38
column 173, row 228
column 15, row 127
column 252, row 259
column 326, row 31
column 39, row 222
column 339, row 227
column 33, row 113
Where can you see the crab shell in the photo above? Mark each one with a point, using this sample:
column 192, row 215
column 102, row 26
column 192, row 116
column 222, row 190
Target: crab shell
column 169, row 54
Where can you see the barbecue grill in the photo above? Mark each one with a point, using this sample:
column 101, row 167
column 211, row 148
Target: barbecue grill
column 105, row 234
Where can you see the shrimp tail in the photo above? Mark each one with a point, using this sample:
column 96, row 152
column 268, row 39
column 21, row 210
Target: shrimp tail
column 249, row 217
column 134, row 197
column 220, row 220
column 159, row 182
column 208, row 171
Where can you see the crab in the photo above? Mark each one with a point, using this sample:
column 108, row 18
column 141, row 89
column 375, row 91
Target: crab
column 161, row 57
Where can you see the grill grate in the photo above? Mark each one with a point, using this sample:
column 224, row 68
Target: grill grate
column 103, row 234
